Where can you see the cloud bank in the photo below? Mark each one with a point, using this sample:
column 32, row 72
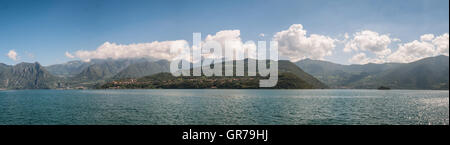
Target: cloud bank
column 370, row 42
column 296, row 45
column 367, row 46
column 160, row 50
column 107, row 50
column 427, row 46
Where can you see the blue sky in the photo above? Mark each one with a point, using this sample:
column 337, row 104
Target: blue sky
column 44, row 30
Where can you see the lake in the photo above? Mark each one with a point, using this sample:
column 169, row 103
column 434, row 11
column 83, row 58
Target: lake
column 217, row 106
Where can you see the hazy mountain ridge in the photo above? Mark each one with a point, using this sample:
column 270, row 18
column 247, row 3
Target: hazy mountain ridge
column 289, row 67
column 74, row 68
column 68, row 69
column 284, row 66
column 99, row 71
column 107, row 71
column 427, row 73
column 141, row 69
column 338, row 75
column 27, row 76
column 73, row 74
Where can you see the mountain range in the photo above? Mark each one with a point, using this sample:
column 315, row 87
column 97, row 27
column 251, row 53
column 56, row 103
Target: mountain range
column 428, row 73
column 27, row 76
column 290, row 77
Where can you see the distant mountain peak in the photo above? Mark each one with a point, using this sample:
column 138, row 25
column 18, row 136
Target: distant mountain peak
column 27, row 76
column 426, row 73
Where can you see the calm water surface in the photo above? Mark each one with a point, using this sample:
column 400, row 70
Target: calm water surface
column 176, row 107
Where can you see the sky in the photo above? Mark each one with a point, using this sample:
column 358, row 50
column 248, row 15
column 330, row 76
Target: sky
column 340, row 31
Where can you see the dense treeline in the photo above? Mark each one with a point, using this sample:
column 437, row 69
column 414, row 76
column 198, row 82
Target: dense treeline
column 167, row 81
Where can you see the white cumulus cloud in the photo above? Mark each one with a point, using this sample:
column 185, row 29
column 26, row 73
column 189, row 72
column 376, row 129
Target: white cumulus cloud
column 427, row 37
column 156, row 49
column 359, row 58
column 441, row 43
column 159, row 49
column 362, row 58
column 370, row 41
column 346, row 36
column 69, row 55
column 12, row 55
column 236, row 44
column 296, row 45
column 412, row 51
column 427, row 46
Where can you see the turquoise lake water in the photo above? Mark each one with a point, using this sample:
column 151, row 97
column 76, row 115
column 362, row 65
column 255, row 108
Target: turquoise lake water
column 216, row 106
